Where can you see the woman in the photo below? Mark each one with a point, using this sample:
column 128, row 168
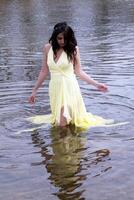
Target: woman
column 62, row 60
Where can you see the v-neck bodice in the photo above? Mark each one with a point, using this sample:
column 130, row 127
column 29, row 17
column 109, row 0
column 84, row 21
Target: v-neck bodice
column 56, row 61
column 62, row 65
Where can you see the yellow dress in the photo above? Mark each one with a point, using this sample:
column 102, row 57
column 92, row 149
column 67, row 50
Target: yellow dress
column 64, row 91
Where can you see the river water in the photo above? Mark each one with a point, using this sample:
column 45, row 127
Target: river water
column 50, row 163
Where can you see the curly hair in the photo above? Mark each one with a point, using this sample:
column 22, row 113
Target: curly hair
column 69, row 38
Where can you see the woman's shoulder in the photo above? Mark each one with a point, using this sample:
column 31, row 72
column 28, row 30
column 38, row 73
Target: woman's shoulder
column 77, row 48
column 77, row 51
column 47, row 47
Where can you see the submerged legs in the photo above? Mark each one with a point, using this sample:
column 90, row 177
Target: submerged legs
column 63, row 121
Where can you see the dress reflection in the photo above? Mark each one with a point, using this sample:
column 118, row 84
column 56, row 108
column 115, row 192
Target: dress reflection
column 62, row 159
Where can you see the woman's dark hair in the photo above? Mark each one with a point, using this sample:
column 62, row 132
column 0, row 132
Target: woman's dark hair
column 69, row 39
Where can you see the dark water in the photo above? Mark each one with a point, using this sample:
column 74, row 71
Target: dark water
column 48, row 163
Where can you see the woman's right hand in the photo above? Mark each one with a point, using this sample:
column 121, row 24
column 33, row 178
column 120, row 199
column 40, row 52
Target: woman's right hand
column 32, row 97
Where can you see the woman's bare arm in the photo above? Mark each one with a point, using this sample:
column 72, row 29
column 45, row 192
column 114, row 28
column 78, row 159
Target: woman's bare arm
column 84, row 76
column 44, row 69
column 42, row 75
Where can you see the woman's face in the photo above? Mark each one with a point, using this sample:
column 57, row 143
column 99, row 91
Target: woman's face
column 60, row 39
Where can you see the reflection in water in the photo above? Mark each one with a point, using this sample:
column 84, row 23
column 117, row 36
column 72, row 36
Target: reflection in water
column 65, row 160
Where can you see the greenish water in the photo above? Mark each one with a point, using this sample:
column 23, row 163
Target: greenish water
column 48, row 163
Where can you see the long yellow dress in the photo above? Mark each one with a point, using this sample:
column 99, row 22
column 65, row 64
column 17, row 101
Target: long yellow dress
column 64, row 92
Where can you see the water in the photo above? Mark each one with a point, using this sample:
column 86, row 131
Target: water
column 49, row 163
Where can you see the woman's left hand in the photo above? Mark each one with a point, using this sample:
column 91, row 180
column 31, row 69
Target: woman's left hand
column 102, row 87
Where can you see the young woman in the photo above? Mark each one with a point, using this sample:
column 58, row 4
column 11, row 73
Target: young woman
column 62, row 60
